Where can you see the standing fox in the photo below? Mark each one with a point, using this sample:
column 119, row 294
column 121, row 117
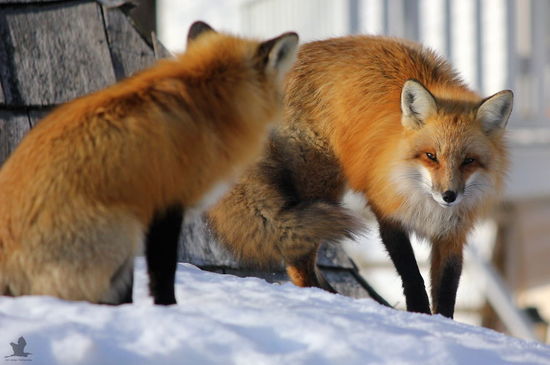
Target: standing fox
column 392, row 121
column 78, row 194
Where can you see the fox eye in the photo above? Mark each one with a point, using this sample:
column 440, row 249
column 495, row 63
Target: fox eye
column 467, row 161
column 431, row 156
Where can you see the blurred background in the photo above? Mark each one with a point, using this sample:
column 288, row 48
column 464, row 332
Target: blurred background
column 495, row 45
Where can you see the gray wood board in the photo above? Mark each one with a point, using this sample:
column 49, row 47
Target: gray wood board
column 159, row 49
column 129, row 51
column 345, row 283
column 13, row 126
column 12, row 2
column 198, row 246
column 50, row 54
column 36, row 115
column 2, row 98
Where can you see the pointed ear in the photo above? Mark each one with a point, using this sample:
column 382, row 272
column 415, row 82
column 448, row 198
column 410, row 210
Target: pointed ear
column 278, row 54
column 493, row 112
column 196, row 29
column 417, row 104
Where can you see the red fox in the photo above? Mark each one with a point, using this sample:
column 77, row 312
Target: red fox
column 392, row 121
column 78, row 194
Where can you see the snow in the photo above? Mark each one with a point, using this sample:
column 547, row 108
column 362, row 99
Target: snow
column 222, row 319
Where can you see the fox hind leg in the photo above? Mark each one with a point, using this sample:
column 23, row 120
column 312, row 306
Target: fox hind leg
column 161, row 251
column 303, row 272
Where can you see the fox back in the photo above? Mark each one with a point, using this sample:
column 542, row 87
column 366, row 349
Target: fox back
column 79, row 192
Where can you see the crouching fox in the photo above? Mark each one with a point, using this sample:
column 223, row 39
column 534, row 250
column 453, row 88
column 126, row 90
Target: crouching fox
column 105, row 172
column 387, row 119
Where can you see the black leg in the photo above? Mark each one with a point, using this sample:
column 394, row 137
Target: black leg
column 446, row 271
column 401, row 253
column 161, row 251
column 448, row 287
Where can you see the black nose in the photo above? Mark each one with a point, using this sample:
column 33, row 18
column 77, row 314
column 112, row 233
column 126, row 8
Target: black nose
column 449, row 196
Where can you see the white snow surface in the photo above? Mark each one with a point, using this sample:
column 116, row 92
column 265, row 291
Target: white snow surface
column 223, row 319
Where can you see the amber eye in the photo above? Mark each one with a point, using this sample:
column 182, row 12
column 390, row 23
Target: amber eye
column 431, row 156
column 467, row 161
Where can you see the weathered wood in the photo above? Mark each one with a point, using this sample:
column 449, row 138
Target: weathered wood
column 13, row 126
column 129, row 51
column 158, row 48
column 144, row 17
column 12, row 2
column 2, row 98
column 269, row 276
column 36, row 115
column 198, row 246
column 50, row 54
column 345, row 283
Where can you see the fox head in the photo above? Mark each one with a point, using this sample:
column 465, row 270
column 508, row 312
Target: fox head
column 263, row 64
column 454, row 150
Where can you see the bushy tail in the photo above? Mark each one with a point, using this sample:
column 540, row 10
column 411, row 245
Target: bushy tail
column 265, row 235
column 305, row 226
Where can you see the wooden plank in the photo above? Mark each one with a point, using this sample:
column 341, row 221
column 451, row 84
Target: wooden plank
column 2, row 98
column 158, row 48
column 53, row 53
column 198, row 246
column 269, row 276
column 345, row 283
column 13, row 126
column 12, row 2
column 8, row 78
column 36, row 115
column 129, row 51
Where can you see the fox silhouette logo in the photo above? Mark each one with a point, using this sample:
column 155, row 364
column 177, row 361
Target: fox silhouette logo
column 19, row 348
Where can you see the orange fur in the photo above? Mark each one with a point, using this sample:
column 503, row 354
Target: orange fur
column 78, row 193
column 344, row 129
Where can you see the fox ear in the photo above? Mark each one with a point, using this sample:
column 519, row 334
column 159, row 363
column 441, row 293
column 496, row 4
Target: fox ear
column 417, row 104
column 196, row 29
column 278, row 54
column 493, row 112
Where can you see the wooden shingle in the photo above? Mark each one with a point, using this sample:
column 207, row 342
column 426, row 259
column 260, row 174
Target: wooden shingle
column 12, row 2
column 129, row 51
column 2, row 98
column 13, row 126
column 52, row 53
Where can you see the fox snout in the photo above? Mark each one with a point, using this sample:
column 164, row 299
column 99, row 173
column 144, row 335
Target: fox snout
column 447, row 198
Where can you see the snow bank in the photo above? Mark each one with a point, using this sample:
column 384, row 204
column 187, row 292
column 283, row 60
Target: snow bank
column 222, row 319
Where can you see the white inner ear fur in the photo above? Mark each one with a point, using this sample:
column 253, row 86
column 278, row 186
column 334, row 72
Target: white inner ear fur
column 417, row 104
column 494, row 112
column 282, row 54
